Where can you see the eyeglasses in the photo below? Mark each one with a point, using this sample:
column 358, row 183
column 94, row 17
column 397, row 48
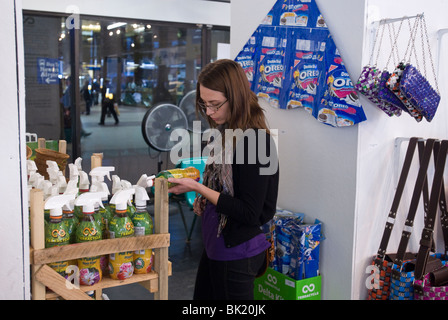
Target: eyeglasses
column 213, row 108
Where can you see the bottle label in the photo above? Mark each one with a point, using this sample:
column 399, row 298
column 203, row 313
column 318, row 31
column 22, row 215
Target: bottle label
column 142, row 261
column 121, row 265
column 89, row 270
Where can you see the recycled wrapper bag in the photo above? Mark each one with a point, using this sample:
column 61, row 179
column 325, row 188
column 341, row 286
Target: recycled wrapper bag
column 416, row 88
column 434, row 284
column 384, row 262
column 387, row 96
column 393, row 83
column 369, row 84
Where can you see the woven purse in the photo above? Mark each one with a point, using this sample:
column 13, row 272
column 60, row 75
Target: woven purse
column 415, row 86
column 386, row 95
column 383, row 262
column 403, row 269
column 369, row 81
column 393, row 83
column 419, row 92
column 432, row 283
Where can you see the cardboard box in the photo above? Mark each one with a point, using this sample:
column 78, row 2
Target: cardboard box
column 274, row 285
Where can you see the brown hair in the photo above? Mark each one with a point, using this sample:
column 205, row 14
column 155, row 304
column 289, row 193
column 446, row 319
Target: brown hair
column 228, row 77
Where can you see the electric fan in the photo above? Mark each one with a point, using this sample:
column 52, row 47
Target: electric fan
column 188, row 106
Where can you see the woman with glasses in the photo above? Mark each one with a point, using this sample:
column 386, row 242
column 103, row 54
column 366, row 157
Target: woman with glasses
column 239, row 190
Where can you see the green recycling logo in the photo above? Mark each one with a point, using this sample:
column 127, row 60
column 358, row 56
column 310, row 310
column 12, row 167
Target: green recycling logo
column 307, row 289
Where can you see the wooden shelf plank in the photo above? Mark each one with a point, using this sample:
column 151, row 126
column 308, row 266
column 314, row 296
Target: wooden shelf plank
column 98, row 248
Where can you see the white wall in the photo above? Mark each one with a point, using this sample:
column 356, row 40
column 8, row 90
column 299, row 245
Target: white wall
column 14, row 264
column 318, row 163
column 344, row 176
column 376, row 152
column 186, row 11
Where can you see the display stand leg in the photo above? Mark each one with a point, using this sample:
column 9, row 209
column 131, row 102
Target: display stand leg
column 161, row 208
column 37, row 238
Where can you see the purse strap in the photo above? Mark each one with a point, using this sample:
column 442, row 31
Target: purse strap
column 396, row 201
column 425, row 151
column 380, row 37
column 427, row 238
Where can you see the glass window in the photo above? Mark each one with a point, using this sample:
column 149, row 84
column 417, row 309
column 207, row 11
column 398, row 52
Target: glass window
column 126, row 68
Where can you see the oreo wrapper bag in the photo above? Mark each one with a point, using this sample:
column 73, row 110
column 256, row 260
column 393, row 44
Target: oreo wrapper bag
column 339, row 106
column 306, row 71
column 270, row 73
column 247, row 58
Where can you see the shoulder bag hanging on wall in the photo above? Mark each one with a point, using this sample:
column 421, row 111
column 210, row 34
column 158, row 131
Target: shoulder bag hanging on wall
column 416, row 87
column 433, row 285
column 403, row 271
column 369, row 80
column 393, row 83
column 383, row 262
column 384, row 93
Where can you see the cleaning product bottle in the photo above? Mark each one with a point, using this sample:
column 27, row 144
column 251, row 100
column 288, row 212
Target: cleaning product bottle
column 98, row 185
column 143, row 225
column 48, row 190
column 56, row 232
column 126, row 185
column 68, row 216
column 31, row 169
column 121, row 264
column 88, row 230
column 190, row 172
column 116, row 186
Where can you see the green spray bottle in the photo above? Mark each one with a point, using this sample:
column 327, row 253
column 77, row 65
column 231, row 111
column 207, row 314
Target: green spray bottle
column 56, row 232
column 98, row 185
column 88, row 230
column 68, row 210
column 121, row 264
column 143, row 225
column 126, row 185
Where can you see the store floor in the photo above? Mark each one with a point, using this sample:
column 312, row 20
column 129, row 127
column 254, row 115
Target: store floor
column 123, row 146
column 183, row 255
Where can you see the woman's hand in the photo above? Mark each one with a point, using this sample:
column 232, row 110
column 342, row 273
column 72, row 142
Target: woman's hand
column 183, row 185
column 188, row 184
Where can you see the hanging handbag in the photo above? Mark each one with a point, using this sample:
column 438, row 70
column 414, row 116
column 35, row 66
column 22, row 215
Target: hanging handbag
column 416, row 88
column 393, row 83
column 403, row 269
column 433, row 284
column 384, row 93
column 383, row 262
column 369, row 81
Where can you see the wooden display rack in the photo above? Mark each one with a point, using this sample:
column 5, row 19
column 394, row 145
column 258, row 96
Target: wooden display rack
column 43, row 276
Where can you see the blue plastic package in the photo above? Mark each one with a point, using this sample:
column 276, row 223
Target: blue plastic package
column 296, row 64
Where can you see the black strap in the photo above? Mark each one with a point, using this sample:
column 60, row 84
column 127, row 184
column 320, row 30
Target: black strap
column 443, row 209
column 428, row 230
column 420, row 184
column 396, row 201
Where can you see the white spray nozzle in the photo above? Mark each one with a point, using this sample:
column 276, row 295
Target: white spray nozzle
column 52, row 164
column 125, row 184
column 72, row 187
column 78, row 163
column 74, row 172
column 87, row 200
column 116, row 184
column 145, row 181
column 121, row 198
column 31, row 167
column 99, row 173
column 55, row 203
column 100, row 187
column 141, row 196
column 83, row 181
